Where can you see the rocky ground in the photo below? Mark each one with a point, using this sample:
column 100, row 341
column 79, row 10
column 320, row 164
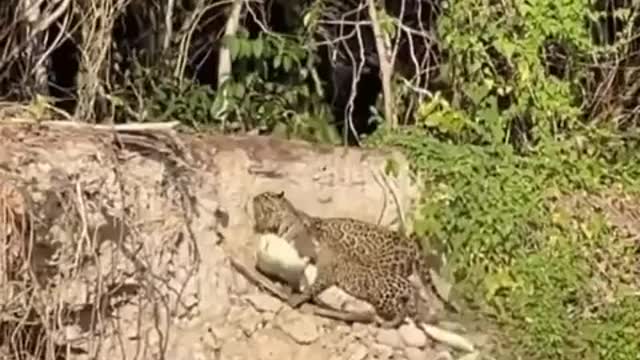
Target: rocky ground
column 256, row 325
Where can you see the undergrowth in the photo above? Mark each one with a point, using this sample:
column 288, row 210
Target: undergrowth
column 529, row 248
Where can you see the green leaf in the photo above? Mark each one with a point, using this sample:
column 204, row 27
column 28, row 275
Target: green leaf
column 286, row 63
column 239, row 91
column 491, row 116
column 246, row 48
column 258, row 47
column 477, row 92
column 233, row 45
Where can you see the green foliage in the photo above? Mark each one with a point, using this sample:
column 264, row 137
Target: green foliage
column 275, row 87
column 559, row 278
column 553, row 273
column 499, row 74
column 154, row 94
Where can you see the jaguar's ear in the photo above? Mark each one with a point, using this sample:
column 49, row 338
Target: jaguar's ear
column 281, row 194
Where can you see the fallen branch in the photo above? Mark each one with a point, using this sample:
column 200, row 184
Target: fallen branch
column 116, row 127
column 266, row 284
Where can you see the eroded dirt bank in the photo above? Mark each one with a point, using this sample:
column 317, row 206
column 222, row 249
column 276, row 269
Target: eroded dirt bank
column 133, row 233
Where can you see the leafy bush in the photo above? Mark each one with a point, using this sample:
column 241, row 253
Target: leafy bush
column 276, row 87
column 273, row 88
column 519, row 72
column 528, row 248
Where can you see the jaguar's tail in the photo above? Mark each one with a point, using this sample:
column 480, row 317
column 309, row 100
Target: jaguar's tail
column 424, row 262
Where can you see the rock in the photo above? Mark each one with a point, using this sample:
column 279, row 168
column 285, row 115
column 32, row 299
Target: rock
column 479, row 340
column 356, row 351
column 412, row 336
column 270, row 344
column 381, row 352
column 247, row 319
column 235, row 350
column 452, row 326
column 192, row 341
column 224, row 332
column 360, row 331
column 413, row 353
column 300, row 327
column 443, row 355
column 446, row 337
column 314, row 351
column 344, row 328
column 264, row 302
column 471, row 356
column 389, row 337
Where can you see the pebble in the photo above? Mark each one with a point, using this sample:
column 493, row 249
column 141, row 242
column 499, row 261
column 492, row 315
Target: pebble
column 234, row 349
column 300, row 327
column 471, row 356
column 314, row 351
column 480, row 340
column 264, row 302
column 413, row 353
column 359, row 331
column 443, row 355
column 270, row 345
column 389, row 337
column 452, row 326
column 246, row 318
column 357, row 351
column 381, row 352
column 412, row 336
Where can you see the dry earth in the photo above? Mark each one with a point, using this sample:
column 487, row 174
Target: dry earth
column 133, row 236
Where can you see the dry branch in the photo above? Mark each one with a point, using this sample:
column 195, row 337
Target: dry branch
column 266, row 284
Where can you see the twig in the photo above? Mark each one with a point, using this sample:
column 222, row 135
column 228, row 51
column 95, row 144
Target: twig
column 263, row 282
